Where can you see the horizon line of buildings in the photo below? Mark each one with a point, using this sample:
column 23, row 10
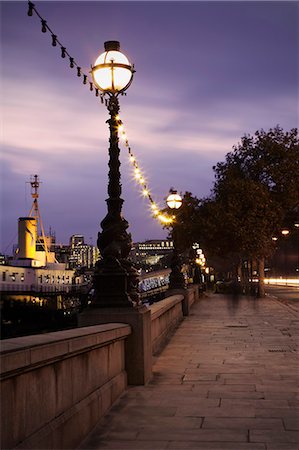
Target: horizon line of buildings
column 38, row 251
column 41, row 266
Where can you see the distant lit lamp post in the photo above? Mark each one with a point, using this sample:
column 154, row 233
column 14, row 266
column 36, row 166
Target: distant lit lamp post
column 115, row 279
column 196, row 251
column 176, row 278
column 285, row 232
column 201, row 262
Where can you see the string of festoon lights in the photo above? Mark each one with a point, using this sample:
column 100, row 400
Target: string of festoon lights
column 138, row 176
column 140, row 179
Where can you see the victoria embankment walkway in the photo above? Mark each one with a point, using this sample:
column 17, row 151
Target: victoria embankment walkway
column 227, row 380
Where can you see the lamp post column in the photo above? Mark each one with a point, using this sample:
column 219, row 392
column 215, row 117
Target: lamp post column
column 115, row 279
column 115, row 283
column 176, row 278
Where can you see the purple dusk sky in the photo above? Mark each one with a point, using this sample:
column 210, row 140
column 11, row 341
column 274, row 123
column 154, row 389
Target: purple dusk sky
column 206, row 73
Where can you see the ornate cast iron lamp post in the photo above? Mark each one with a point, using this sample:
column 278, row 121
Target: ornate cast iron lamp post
column 115, row 279
column 176, row 278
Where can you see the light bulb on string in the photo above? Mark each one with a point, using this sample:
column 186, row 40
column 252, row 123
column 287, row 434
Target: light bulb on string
column 30, row 8
column 63, row 50
column 44, row 26
column 54, row 40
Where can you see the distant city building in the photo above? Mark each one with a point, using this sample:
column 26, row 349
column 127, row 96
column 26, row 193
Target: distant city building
column 81, row 254
column 76, row 240
column 150, row 252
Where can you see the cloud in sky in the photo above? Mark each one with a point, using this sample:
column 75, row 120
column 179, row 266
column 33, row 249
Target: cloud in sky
column 207, row 72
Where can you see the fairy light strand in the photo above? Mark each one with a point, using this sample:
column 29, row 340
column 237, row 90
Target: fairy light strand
column 140, row 179
column 156, row 211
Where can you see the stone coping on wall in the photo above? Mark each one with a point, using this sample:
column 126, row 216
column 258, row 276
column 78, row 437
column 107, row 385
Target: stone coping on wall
column 159, row 308
column 27, row 352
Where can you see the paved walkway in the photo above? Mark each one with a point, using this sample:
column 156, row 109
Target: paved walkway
column 227, row 380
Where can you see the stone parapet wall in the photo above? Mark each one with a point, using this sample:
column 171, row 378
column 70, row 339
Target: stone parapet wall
column 165, row 317
column 190, row 294
column 56, row 386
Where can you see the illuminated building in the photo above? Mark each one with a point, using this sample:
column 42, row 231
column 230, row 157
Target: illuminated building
column 81, row 254
column 150, row 252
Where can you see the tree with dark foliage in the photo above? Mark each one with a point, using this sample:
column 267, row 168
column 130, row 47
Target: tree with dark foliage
column 255, row 194
column 256, row 188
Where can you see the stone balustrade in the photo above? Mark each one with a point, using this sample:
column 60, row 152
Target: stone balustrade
column 165, row 317
column 56, row 386
column 168, row 313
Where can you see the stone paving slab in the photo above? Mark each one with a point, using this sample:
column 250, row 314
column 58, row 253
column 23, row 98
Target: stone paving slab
column 227, row 380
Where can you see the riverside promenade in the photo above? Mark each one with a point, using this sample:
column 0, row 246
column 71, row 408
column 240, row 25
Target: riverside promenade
column 227, row 380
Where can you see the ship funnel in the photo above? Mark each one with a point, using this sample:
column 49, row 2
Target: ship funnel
column 27, row 233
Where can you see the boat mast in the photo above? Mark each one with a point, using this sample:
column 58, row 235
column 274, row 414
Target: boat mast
column 35, row 212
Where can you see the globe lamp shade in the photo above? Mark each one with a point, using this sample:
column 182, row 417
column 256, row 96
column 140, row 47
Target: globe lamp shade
column 112, row 71
column 174, row 201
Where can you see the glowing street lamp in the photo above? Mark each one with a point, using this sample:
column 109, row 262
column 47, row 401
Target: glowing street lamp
column 174, row 200
column 112, row 72
column 285, row 232
column 176, row 278
column 115, row 279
